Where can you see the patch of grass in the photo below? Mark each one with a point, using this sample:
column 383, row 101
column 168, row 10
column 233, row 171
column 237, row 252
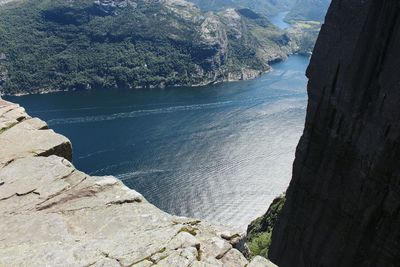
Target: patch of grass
column 259, row 232
column 259, row 244
column 306, row 24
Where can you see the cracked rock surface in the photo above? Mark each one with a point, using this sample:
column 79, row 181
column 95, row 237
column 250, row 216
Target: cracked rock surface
column 54, row 215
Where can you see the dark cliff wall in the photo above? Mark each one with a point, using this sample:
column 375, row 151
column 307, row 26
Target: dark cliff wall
column 344, row 198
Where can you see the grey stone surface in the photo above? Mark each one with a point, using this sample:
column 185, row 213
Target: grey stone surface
column 30, row 137
column 51, row 214
column 343, row 203
column 259, row 261
column 233, row 258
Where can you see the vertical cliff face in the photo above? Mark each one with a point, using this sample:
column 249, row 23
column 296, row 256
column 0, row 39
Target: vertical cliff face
column 343, row 202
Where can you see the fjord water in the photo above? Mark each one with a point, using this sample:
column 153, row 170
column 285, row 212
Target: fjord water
column 279, row 20
column 220, row 153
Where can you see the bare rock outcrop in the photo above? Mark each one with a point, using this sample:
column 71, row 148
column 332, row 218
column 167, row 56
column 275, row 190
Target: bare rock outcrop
column 54, row 215
column 343, row 203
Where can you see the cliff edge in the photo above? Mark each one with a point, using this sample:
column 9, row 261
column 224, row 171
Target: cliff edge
column 343, row 203
column 54, row 215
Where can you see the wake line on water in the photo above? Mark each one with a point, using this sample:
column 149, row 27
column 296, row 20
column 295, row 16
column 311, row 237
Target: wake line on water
column 130, row 175
column 147, row 112
column 104, row 107
column 95, row 153
column 105, row 170
column 137, row 113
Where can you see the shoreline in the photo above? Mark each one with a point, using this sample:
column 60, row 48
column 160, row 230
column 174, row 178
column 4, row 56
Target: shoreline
column 144, row 87
column 209, row 83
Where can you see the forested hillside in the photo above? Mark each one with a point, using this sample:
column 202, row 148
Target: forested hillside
column 66, row 45
column 297, row 9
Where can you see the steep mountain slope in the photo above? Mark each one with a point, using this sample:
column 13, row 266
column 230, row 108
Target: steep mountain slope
column 314, row 10
column 298, row 9
column 62, row 45
column 343, row 203
column 268, row 7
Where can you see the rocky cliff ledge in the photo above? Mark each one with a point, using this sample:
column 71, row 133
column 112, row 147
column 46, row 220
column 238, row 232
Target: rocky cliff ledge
column 343, row 203
column 54, row 215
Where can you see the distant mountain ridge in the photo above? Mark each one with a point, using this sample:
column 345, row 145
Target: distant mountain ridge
column 309, row 10
column 297, row 9
column 267, row 7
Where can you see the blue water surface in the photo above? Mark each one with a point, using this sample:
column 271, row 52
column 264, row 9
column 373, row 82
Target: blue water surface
column 220, row 152
column 279, row 20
